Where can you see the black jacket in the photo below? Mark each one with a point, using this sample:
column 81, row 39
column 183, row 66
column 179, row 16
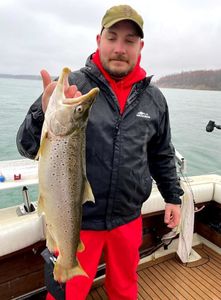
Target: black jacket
column 123, row 152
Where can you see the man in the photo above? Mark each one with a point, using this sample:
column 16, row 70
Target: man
column 128, row 143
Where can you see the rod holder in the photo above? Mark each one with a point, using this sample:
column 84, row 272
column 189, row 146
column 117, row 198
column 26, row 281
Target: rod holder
column 27, row 207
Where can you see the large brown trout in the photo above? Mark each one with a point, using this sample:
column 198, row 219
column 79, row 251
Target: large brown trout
column 63, row 185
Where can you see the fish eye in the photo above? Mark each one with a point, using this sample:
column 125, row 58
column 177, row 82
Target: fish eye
column 79, row 109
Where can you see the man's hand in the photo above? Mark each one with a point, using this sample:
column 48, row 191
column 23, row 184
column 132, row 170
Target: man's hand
column 70, row 91
column 172, row 215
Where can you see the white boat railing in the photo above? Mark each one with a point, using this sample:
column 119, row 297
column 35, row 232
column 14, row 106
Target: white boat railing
column 24, row 172
column 17, row 173
column 181, row 162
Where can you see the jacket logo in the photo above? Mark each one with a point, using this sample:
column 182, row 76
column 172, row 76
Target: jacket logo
column 143, row 115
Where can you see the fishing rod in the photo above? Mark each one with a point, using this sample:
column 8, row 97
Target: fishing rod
column 211, row 125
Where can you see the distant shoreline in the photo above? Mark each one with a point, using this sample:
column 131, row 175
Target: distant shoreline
column 209, row 80
column 26, row 77
column 29, row 77
column 186, row 88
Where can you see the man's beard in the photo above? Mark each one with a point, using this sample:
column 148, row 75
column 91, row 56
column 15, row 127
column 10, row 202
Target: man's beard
column 116, row 74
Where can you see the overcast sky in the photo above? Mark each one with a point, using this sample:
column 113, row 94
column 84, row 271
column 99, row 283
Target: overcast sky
column 180, row 35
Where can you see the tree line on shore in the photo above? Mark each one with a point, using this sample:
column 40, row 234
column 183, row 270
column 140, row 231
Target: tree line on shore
column 199, row 80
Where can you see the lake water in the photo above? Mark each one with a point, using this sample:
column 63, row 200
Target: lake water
column 190, row 111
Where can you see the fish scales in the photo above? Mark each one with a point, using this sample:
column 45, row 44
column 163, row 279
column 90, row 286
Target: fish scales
column 63, row 185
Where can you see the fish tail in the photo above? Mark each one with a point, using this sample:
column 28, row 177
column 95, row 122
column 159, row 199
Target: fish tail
column 62, row 274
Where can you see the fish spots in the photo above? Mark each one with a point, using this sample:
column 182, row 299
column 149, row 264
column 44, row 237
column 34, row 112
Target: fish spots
column 62, row 177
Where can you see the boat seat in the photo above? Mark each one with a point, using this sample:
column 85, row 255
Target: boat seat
column 18, row 232
column 202, row 193
column 205, row 188
column 217, row 193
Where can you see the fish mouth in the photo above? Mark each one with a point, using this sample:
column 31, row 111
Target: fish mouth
column 87, row 99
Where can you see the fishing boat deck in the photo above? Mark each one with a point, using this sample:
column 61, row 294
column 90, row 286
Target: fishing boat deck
column 167, row 278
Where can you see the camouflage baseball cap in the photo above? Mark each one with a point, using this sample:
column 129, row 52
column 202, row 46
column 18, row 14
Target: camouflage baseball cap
column 122, row 12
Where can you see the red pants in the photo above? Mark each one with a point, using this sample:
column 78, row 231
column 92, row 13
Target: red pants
column 121, row 252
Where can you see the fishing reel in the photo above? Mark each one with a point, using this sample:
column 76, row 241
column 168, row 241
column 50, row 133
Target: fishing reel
column 211, row 125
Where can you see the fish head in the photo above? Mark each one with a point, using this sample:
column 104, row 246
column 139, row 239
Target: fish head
column 72, row 117
column 67, row 115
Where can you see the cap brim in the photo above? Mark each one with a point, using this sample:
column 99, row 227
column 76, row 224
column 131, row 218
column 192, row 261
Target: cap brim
column 108, row 25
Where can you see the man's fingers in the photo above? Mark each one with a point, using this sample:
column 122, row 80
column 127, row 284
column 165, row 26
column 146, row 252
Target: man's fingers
column 49, row 86
column 176, row 219
column 167, row 215
column 46, row 78
column 72, row 92
column 78, row 94
column 172, row 215
column 47, row 94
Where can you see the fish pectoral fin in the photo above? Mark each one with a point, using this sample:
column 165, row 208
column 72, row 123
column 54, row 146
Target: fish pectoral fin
column 40, row 204
column 81, row 247
column 88, row 194
column 62, row 274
